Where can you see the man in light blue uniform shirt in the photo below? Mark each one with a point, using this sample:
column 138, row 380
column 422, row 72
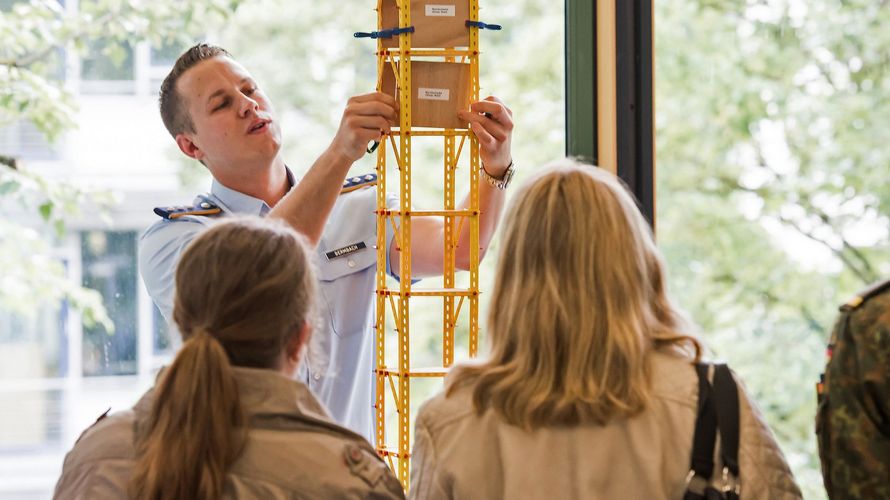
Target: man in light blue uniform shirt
column 218, row 116
column 346, row 282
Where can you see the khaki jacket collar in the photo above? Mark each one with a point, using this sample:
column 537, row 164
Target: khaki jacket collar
column 262, row 392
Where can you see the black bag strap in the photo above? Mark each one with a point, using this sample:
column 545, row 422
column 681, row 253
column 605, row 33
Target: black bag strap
column 718, row 409
column 702, row 466
column 726, row 402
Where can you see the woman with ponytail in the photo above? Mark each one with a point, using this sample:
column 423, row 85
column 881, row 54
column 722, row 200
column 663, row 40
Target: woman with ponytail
column 227, row 419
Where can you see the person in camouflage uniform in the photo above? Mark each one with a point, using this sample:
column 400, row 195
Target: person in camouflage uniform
column 853, row 420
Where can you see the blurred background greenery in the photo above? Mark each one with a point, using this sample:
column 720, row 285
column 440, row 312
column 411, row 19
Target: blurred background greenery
column 772, row 200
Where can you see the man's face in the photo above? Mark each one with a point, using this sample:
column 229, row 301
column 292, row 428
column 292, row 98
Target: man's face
column 234, row 121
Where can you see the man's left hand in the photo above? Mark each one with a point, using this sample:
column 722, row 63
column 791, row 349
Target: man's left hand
column 492, row 122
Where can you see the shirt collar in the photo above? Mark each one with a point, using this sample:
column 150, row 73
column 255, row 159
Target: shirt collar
column 237, row 202
column 269, row 392
column 261, row 392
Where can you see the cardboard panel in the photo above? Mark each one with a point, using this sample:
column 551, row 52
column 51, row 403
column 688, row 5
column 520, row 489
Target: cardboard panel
column 440, row 90
column 437, row 23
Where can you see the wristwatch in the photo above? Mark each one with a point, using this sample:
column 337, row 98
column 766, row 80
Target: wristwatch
column 504, row 181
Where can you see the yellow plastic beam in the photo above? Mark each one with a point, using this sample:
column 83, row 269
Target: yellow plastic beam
column 393, row 304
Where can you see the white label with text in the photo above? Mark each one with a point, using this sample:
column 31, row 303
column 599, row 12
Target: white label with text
column 440, row 10
column 434, row 94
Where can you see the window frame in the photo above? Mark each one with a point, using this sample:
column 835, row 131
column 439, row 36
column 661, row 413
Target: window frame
column 609, row 91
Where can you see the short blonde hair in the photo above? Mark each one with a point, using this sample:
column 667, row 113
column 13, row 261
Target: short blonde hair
column 173, row 105
column 579, row 303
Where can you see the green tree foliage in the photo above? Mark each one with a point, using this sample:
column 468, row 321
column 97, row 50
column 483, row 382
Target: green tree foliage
column 773, row 200
column 29, row 275
column 35, row 36
column 35, row 33
column 772, row 195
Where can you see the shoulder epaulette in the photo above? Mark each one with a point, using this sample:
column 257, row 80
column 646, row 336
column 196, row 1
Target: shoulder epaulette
column 866, row 294
column 203, row 208
column 358, row 182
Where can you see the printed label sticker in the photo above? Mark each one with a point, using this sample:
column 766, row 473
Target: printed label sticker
column 434, row 94
column 440, row 10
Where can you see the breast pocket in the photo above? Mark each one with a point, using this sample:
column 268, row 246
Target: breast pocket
column 347, row 286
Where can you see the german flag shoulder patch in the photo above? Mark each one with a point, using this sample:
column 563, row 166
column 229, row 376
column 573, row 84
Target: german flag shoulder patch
column 863, row 296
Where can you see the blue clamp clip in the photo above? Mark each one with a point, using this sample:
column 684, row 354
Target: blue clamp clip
column 483, row 26
column 385, row 33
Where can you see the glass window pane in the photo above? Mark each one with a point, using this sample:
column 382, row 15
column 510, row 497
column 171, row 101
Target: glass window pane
column 33, row 346
column 6, row 5
column 30, row 420
column 162, row 343
column 105, row 61
column 109, row 267
column 772, row 191
column 166, row 54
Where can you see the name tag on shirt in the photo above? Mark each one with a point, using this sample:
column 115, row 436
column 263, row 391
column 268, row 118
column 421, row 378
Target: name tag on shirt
column 347, row 250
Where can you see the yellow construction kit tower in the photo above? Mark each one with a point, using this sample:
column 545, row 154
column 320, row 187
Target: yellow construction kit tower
column 439, row 39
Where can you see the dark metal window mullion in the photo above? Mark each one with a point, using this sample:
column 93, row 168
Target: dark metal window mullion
column 580, row 66
column 634, row 73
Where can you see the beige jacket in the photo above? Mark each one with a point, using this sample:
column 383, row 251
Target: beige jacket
column 459, row 454
column 293, row 450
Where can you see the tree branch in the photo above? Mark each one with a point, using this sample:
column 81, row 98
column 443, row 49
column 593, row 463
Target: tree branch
column 808, row 316
column 839, row 253
column 846, row 244
column 866, row 273
column 814, row 323
column 29, row 59
column 9, row 161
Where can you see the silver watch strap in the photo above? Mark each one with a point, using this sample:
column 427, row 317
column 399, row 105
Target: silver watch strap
column 501, row 183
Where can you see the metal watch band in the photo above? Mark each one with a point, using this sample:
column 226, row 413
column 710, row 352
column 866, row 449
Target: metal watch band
column 501, row 183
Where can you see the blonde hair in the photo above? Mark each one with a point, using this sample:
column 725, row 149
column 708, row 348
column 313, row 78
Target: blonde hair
column 579, row 303
column 244, row 287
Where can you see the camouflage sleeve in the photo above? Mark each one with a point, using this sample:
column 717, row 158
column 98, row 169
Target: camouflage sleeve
column 853, row 424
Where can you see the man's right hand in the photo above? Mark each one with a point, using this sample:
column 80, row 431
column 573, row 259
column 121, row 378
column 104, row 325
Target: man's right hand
column 366, row 118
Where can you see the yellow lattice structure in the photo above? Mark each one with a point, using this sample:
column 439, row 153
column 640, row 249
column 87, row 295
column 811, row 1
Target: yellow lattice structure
column 396, row 380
